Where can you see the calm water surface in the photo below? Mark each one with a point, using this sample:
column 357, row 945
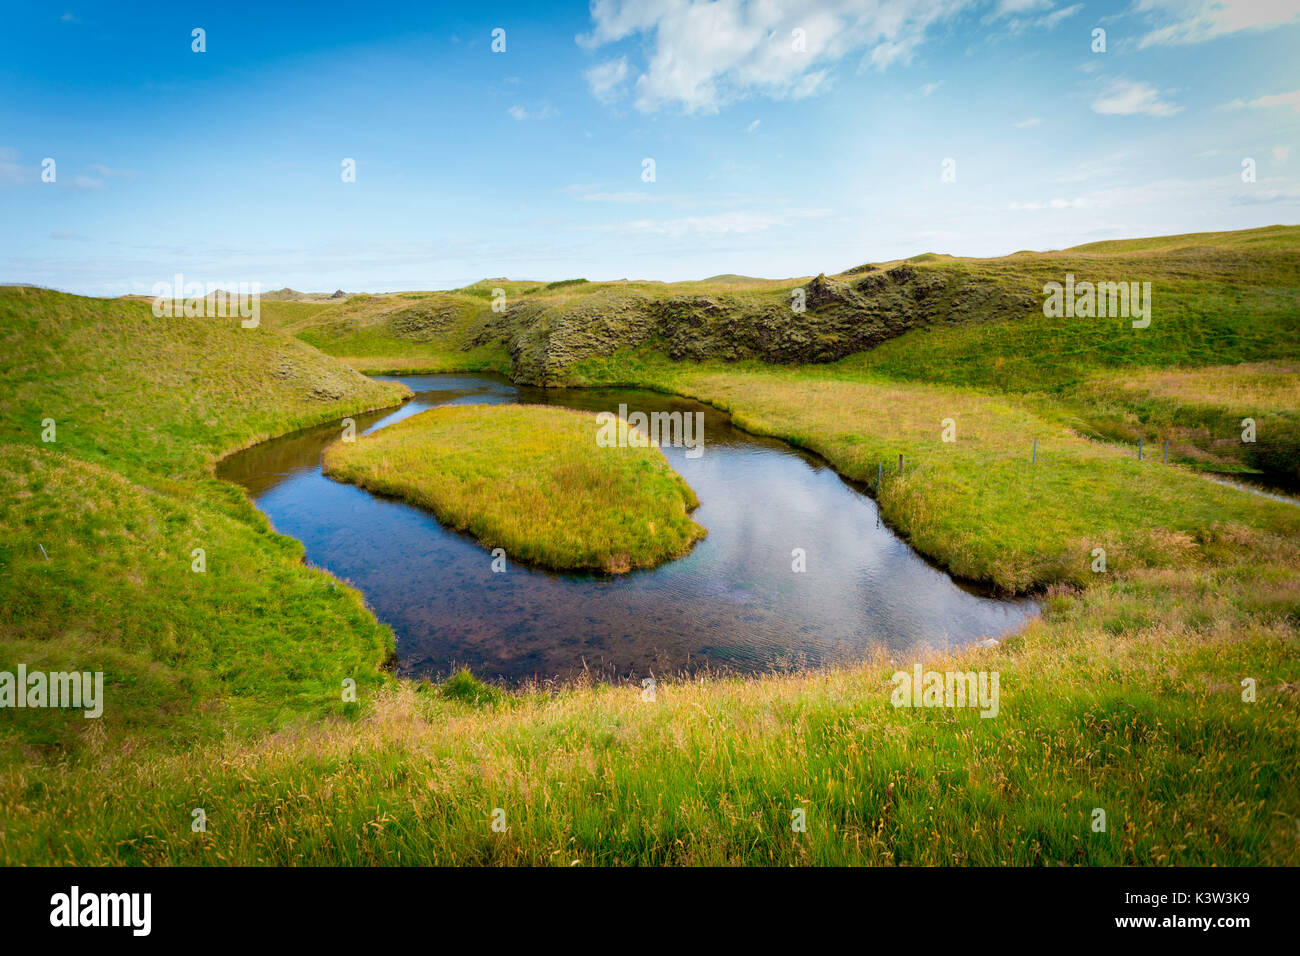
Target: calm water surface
column 732, row 604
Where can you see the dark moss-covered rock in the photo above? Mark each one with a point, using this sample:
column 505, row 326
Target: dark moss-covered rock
column 547, row 328
column 546, row 338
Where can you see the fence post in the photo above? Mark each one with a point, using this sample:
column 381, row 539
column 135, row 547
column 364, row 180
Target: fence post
column 1166, row 461
column 900, row 464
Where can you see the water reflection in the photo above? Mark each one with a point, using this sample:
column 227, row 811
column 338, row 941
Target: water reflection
column 733, row 603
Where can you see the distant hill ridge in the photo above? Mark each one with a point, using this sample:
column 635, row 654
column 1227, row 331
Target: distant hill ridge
column 548, row 328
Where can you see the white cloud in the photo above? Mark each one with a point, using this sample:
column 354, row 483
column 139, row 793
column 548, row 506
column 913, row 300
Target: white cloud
column 928, row 88
column 1267, row 197
column 1195, row 21
column 703, row 54
column 105, row 172
column 1089, row 169
column 93, row 177
column 1056, row 16
column 1029, row 123
column 12, row 171
column 606, row 80
column 716, row 226
column 1129, row 98
column 1008, row 7
column 593, row 194
column 519, row 113
column 752, row 126
column 1037, row 206
column 1291, row 99
column 1012, row 10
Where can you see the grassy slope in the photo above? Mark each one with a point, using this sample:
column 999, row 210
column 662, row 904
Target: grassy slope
column 979, row 504
column 1125, row 699
column 408, row 332
column 143, row 408
column 1126, row 696
column 1216, row 298
column 1201, row 413
column 976, row 323
column 479, row 468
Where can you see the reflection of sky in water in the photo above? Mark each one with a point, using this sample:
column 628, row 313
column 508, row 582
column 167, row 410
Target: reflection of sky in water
column 733, row 602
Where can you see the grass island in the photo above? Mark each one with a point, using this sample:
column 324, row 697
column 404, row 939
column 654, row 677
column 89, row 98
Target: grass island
column 530, row 479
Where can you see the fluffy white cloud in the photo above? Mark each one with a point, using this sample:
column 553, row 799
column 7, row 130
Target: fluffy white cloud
column 1195, row 21
column 704, row 54
column 1129, row 98
column 606, row 80
column 1291, row 99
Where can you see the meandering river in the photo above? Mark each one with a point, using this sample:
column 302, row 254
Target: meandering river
column 733, row 604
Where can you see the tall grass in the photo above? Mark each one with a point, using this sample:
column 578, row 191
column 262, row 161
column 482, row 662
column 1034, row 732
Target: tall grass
column 1125, row 699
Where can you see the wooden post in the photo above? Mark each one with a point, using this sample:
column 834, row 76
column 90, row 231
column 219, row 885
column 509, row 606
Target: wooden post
column 1166, row 461
column 880, row 476
column 900, row 464
column 1139, row 448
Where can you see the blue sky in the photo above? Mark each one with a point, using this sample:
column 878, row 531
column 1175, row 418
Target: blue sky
column 769, row 160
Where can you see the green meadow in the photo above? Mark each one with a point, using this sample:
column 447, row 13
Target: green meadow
column 1131, row 694
column 532, row 481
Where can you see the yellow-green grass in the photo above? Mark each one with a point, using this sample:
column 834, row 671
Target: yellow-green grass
column 1252, row 388
column 1203, row 412
column 422, row 332
column 1216, row 298
column 981, row 505
column 162, row 397
column 532, row 480
column 97, row 573
column 101, row 524
column 1126, row 699
column 1125, row 696
column 1202, row 313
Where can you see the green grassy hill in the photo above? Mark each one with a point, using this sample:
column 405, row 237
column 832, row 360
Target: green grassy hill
column 1217, row 299
column 223, row 686
column 142, row 409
